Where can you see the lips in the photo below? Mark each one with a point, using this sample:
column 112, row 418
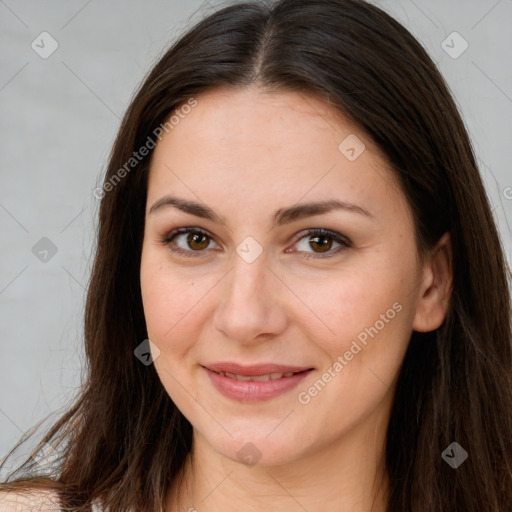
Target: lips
column 256, row 382
column 257, row 378
column 255, row 370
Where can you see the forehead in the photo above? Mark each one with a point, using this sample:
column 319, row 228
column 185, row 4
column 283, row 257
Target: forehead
column 267, row 118
column 267, row 148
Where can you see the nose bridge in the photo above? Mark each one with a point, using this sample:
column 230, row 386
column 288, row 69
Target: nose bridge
column 246, row 285
column 246, row 308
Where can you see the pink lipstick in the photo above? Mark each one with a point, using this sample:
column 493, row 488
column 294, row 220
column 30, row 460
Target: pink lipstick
column 255, row 383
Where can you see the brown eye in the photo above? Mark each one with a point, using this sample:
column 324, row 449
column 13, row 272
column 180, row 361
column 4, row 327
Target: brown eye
column 195, row 241
column 197, row 238
column 321, row 242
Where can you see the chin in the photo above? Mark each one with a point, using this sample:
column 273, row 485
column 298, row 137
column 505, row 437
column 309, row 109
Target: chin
column 258, row 448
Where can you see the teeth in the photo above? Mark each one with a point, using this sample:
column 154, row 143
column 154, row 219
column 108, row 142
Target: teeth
column 258, row 378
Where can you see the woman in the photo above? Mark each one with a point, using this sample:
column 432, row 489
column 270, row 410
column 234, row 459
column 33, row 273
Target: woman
column 240, row 360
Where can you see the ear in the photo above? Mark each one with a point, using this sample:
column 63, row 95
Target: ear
column 436, row 287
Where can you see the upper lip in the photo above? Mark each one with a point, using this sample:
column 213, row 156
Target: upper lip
column 256, row 369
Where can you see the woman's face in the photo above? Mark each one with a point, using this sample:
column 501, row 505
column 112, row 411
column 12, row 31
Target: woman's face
column 255, row 288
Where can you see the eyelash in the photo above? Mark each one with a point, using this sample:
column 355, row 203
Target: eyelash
column 345, row 242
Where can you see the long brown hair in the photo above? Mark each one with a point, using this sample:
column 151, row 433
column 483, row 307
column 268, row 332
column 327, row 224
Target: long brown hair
column 455, row 384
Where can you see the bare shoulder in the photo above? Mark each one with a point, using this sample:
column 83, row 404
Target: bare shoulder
column 33, row 501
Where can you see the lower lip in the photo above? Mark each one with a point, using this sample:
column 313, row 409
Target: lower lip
column 255, row 391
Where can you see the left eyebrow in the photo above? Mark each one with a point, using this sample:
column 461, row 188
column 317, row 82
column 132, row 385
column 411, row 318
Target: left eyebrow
column 281, row 216
column 284, row 216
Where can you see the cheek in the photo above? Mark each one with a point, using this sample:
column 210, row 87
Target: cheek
column 173, row 301
column 166, row 303
column 169, row 327
column 371, row 325
column 343, row 305
column 366, row 320
column 161, row 303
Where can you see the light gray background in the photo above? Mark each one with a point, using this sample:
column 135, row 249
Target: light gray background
column 58, row 120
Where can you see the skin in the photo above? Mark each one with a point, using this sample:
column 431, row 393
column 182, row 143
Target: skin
column 245, row 154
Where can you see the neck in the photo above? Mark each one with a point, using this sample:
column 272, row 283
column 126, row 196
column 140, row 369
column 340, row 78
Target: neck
column 348, row 476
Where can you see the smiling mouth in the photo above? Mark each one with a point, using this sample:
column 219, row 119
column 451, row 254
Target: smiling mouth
column 264, row 382
column 257, row 378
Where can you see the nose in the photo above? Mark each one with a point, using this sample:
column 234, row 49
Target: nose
column 251, row 309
